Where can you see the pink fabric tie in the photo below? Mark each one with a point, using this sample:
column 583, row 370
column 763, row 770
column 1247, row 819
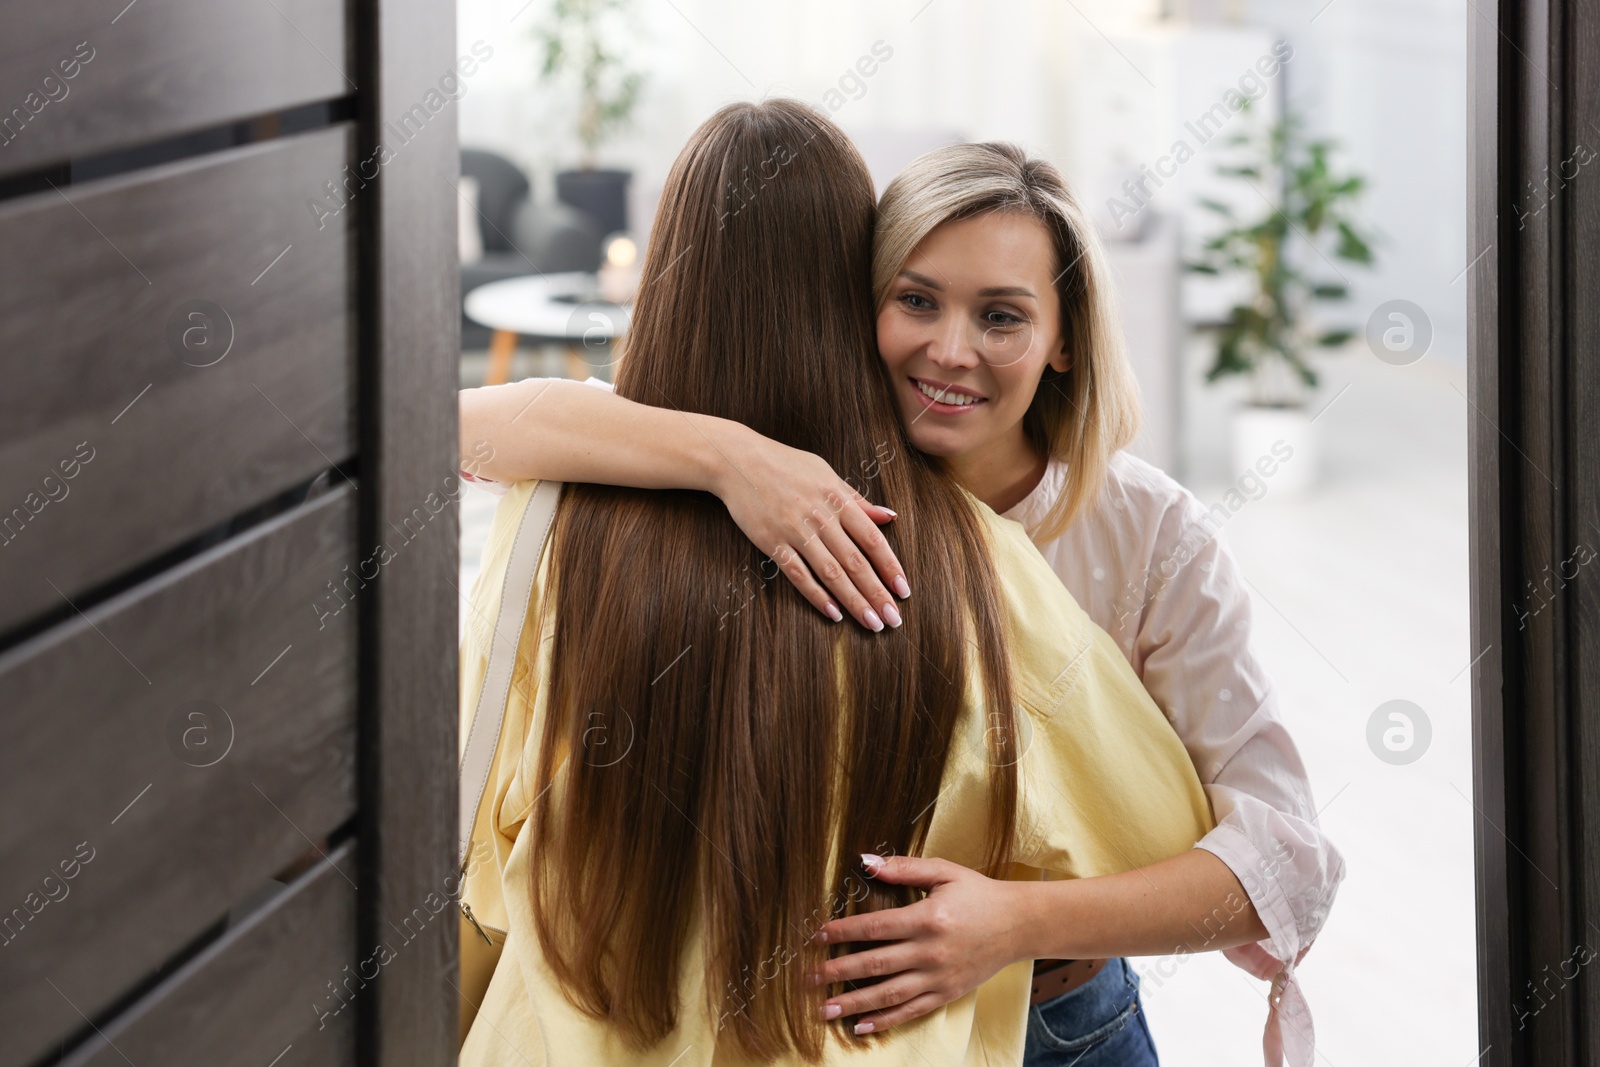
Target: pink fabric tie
column 1290, row 1035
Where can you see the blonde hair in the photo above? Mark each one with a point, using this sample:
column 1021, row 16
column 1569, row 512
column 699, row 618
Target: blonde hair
column 1080, row 416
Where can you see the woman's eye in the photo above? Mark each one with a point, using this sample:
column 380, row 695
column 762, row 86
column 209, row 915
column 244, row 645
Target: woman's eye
column 1002, row 318
column 916, row 301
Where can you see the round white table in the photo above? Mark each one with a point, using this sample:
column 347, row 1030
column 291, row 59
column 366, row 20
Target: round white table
column 561, row 308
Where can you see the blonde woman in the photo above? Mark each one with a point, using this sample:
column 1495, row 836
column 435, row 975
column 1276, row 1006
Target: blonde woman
column 996, row 323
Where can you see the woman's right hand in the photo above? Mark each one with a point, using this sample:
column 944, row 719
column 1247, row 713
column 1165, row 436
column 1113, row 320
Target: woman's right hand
column 817, row 529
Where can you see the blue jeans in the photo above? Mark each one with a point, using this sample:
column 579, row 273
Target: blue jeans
column 1099, row 1024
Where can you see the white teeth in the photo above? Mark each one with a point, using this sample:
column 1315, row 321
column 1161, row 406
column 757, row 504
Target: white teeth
column 946, row 396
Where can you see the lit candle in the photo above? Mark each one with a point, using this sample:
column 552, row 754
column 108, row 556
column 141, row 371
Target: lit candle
column 618, row 278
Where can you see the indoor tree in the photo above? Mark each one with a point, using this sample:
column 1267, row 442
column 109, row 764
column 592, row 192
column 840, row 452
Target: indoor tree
column 1309, row 220
column 587, row 41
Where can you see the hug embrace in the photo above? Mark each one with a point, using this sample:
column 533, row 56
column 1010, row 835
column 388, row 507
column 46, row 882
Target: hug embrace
column 928, row 833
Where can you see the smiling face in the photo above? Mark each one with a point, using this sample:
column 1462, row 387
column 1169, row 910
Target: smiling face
column 969, row 325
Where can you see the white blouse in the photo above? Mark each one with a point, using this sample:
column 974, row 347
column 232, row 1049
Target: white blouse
column 1149, row 568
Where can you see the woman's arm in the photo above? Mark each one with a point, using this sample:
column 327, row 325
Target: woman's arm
column 1258, row 887
column 548, row 428
column 970, row 926
column 818, row 529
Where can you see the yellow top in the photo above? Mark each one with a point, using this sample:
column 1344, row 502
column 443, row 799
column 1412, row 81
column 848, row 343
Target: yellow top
column 1105, row 786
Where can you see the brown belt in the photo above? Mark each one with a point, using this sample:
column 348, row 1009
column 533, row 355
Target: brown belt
column 1051, row 978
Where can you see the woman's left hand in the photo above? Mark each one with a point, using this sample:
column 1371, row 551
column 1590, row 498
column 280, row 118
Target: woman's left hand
column 945, row 945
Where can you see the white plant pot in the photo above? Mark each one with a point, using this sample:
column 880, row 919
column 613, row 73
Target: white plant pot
column 1274, row 451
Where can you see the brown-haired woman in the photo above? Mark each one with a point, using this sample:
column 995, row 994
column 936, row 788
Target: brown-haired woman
column 685, row 785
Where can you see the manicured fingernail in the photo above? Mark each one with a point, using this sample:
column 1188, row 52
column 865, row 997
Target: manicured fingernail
column 863, row 1028
column 872, row 863
column 820, row 937
column 874, row 623
column 892, row 513
column 813, row 978
column 890, row 613
column 901, row 589
column 832, row 1011
column 832, row 611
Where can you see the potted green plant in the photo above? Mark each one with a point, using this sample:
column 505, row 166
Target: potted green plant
column 1287, row 252
column 588, row 42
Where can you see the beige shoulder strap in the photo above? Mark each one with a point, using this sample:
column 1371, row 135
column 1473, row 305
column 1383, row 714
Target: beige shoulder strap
column 489, row 716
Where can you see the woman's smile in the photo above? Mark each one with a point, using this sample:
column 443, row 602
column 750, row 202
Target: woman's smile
column 942, row 398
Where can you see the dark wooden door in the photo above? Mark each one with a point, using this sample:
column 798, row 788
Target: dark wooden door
column 1534, row 433
column 228, row 339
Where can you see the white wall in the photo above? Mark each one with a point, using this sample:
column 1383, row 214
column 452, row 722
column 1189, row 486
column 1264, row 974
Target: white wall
column 996, row 70
column 1385, row 77
column 1388, row 79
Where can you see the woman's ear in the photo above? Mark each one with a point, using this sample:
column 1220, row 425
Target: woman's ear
column 1061, row 361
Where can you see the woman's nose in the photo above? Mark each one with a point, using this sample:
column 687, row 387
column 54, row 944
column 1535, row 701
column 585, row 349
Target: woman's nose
column 952, row 347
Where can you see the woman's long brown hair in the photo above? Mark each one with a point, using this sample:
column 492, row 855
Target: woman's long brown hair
column 714, row 747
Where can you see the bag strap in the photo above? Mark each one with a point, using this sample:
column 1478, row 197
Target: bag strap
column 515, row 593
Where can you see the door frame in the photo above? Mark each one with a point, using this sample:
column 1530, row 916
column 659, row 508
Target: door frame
column 1534, row 503
column 409, row 295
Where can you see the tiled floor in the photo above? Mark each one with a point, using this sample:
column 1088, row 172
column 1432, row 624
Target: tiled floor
column 1361, row 597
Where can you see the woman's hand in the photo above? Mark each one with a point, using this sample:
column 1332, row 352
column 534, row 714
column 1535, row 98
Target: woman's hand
column 970, row 926
column 819, row 531
column 945, row 945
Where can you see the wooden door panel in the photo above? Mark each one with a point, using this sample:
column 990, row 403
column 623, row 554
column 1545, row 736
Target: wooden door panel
column 278, row 983
column 80, row 77
column 166, row 753
column 177, row 379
